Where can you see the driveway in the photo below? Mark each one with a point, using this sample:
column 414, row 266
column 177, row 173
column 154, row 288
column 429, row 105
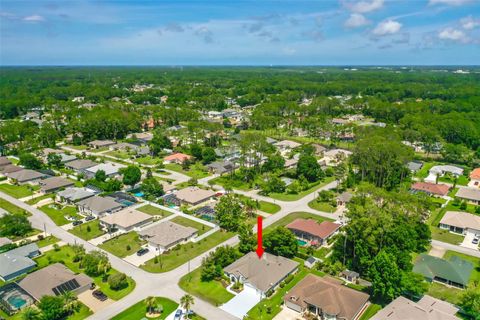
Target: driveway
column 239, row 305
column 93, row 303
column 467, row 241
column 288, row 314
column 139, row 260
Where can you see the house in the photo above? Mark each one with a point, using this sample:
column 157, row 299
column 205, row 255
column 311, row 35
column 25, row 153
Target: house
column 80, row 165
column 73, row 195
column 414, row 166
column 454, row 272
column 440, row 171
column 264, row 274
column 168, row 187
column 25, row 176
column 124, row 146
column 271, row 141
column 291, row 163
column 97, row 144
column 326, row 297
column 319, row 149
column 4, row 161
column 9, row 168
column 474, row 178
column 310, row 262
column 125, row 220
column 313, row 232
column 98, row 206
column 460, row 222
column 54, row 183
column 286, row 145
column 18, row 261
column 64, row 158
column 335, row 156
column 344, row 198
column 177, row 158
column 350, row 276
column 111, row 169
column 194, row 195
column 469, row 194
column 165, row 235
column 54, row 280
column 431, row 189
column 427, row 308
column 220, row 167
column 143, row 137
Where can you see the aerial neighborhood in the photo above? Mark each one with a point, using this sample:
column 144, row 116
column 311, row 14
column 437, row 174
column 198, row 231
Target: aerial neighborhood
column 138, row 195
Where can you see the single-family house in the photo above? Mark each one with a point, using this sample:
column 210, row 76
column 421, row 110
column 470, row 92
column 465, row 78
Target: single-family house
column 177, row 158
column 335, row 156
column 286, row 145
column 73, row 195
column 194, row 195
column 54, row 183
column 474, row 178
column 18, row 261
column 143, row 137
column 26, row 176
column 313, row 232
column 431, row 189
column 9, row 168
column 454, row 272
column 124, row 146
column 327, row 298
column 427, row 308
column 221, row 167
column 460, row 222
column 165, row 235
column 111, row 169
column 444, row 169
column 344, row 198
column 414, row 166
column 469, row 194
column 125, row 220
column 310, row 262
column 80, row 165
column 4, row 161
column 54, row 280
column 350, row 276
column 319, row 149
column 97, row 144
column 98, row 206
column 264, row 274
column 291, row 163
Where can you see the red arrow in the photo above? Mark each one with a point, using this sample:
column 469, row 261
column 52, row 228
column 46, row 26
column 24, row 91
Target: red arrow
column 259, row 237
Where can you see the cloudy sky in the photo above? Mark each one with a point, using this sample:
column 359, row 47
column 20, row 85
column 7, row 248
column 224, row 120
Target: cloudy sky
column 254, row 32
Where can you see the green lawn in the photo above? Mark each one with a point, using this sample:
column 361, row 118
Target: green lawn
column 445, row 293
column 475, row 276
column 197, row 170
column 293, row 216
column 154, row 211
column 82, row 313
column 269, row 207
column 227, row 181
column 185, row 252
column 65, row 255
column 10, row 207
column 138, row 310
column 38, row 199
column 80, row 147
column 371, row 311
column 47, row 241
column 294, row 197
column 118, row 154
column 213, row 291
column 20, row 191
column 82, row 231
column 461, row 181
column 202, row 228
column 423, row 173
column 149, row 161
column 321, row 206
column 58, row 215
column 446, row 236
column 123, row 245
column 452, row 207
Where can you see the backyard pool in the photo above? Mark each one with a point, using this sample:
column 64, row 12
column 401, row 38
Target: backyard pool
column 17, row 301
column 139, row 194
column 301, row 243
column 14, row 298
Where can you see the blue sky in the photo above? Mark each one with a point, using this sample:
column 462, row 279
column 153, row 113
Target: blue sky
column 256, row 32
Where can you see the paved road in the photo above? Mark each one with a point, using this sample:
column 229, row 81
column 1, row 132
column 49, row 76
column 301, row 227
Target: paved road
column 456, row 248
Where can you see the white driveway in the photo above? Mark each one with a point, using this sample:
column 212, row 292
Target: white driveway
column 239, row 305
column 139, row 260
column 467, row 241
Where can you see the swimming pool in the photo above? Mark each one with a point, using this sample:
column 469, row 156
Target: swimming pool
column 301, row 243
column 17, row 301
column 14, row 298
column 139, row 194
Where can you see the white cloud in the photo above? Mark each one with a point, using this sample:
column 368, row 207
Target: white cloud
column 365, row 6
column 34, row 18
column 469, row 23
column 387, row 27
column 450, row 2
column 452, row 34
column 356, row 20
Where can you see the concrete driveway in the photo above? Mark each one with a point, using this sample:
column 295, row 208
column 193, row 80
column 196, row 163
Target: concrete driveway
column 467, row 241
column 139, row 260
column 239, row 305
column 288, row 314
column 93, row 303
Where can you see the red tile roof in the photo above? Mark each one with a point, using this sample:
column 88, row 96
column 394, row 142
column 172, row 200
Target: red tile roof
column 178, row 157
column 439, row 189
column 322, row 230
column 475, row 174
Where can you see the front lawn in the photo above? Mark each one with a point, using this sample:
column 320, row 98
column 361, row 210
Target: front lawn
column 154, row 211
column 118, row 154
column 446, row 236
column 11, row 208
column 47, row 241
column 196, row 170
column 149, row 161
column 293, row 216
column 65, row 255
column 451, row 206
column 461, row 181
column 445, row 293
column 321, row 206
column 182, row 253
column 88, row 230
column 58, row 213
column 138, row 310
column 371, row 311
column 123, row 245
column 202, row 228
column 294, row 197
column 18, row 191
column 226, row 181
column 212, row 291
column 38, row 199
column 424, row 171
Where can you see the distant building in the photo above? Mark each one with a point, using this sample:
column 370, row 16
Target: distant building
column 194, row 195
column 313, row 232
column 414, row 166
column 26, row 176
column 165, row 235
column 97, row 144
column 431, row 189
column 469, row 194
column 54, row 183
column 98, row 206
column 73, row 195
column 460, row 222
column 111, row 169
column 126, row 220
column 18, row 261
column 177, row 158
column 474, row 178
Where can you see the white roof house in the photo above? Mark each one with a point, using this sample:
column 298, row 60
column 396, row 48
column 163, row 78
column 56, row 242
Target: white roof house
column 287, row 144
column 460, row 222
column 165, row 235
column 126, row 219
column 441, row 170
column 110, row 169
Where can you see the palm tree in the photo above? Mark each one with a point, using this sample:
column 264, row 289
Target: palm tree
column 150, row 303
column 250, row 207
column 31, row 314
column 187, row 302
column 103, row 268
column 70, row 301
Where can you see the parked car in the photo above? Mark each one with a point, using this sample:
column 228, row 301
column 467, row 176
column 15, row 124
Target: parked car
column 77, row 222
column 142, row 251
column 99, row 295
column 475, row 241
column 178, row 314
column 89, row 218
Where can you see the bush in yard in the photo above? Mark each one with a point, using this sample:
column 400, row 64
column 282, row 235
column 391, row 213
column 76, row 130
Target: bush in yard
column 52, row 308
column 128, row 247
column 117, row 281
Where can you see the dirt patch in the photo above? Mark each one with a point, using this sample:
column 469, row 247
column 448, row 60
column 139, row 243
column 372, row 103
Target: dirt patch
column 437, row 252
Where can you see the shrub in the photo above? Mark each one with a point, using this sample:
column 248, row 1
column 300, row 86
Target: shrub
column 117, row 281
column 289, row 278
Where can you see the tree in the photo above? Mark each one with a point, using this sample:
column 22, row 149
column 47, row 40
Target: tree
column 159, row 142
column 281, row 242
column 187, row 302
column 14, row 225
column 248, row 240
column 308, row 167
column 413, row 284
column 151, row 187
column 150, row 302
column 100, row 176
column 70, row 301
column 117, row 281
column 31, row 314
column 95, row 263
column 273, row 184
column 29, row 161
column 208, row 155
column 196, row 151
column 213, row 264
column 274, row 163
column 54, row 160
column 131, row 175
column 470, row 301
column 230, row 213
column 385, row 277
column 52, row 308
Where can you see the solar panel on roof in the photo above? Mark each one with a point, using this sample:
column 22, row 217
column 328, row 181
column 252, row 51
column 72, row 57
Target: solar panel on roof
column 65, row 287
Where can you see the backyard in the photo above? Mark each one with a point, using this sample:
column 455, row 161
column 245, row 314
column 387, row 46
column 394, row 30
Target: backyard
column 139, row 310
column 58, row 213
column 293, row 216
column 202, row 228
column 213, row 291
column 154, row 211
column 18, row 191
column 321, row 206
column 123, row 245
column 196, row 170
column 89, row 230
column 294, row 197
